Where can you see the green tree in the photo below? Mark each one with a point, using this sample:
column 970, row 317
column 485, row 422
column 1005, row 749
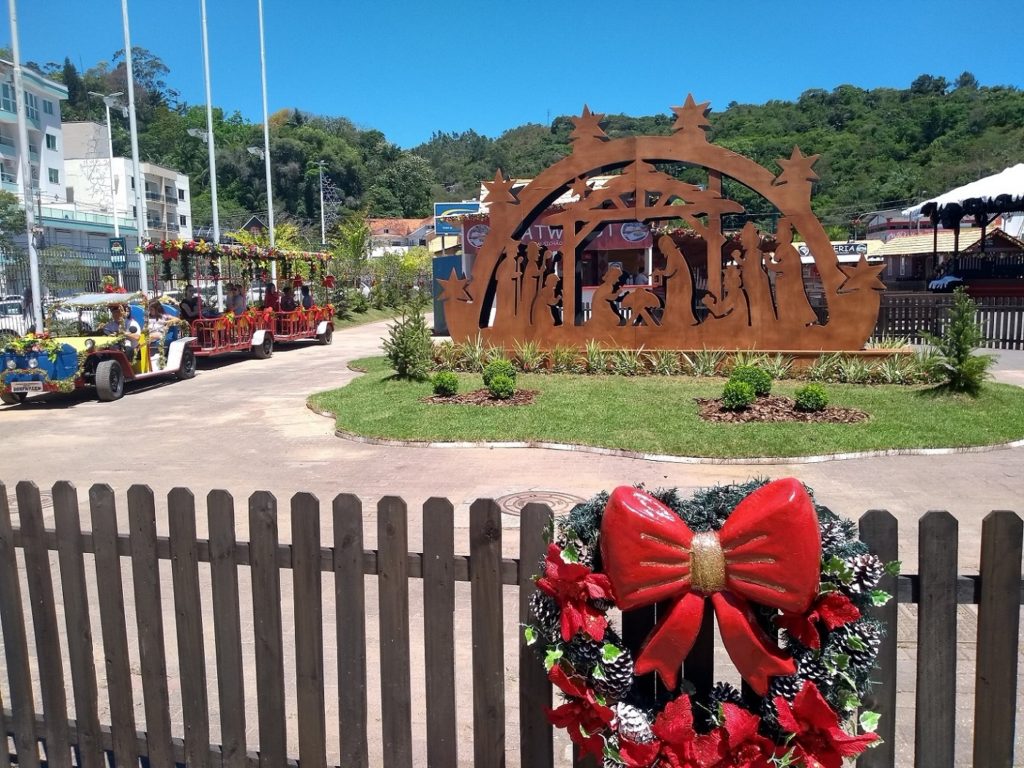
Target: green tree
column 12, row 220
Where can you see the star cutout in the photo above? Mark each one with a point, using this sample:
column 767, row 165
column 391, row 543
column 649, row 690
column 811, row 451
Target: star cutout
column 588, row 126
column 862, row 276
column 692, row 117
column 580, row 188
column 454, row 288
column 499, row 190
column 797, row 169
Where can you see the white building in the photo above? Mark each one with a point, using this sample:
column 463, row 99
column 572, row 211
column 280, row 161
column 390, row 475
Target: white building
column 167, row 194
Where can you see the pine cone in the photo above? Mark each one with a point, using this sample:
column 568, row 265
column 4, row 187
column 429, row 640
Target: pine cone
column 547, row 617
column 633, row 723
column 618, row 676
column 786, row 687
column 814, row 671
column 870, row 635
column 725, row 693
column 867, row 570
column 584, row 653
column 833, row 534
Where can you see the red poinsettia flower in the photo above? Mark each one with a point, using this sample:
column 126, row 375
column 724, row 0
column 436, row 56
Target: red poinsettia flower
column 817, row 737
column 574, row 586
column 744, row 746
column 636, row 755
column 833, row 610
column 682, row 746
column 583, row 716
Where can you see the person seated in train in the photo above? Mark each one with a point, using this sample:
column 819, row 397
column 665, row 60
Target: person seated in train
column 307, row 298
column 189, row 306
column 288, row 300
column 272, row 299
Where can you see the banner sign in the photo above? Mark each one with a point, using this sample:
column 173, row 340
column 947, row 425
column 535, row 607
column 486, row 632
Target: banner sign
column 617, row 236
column 447, row 227
column 118, row 252
column 841, row 249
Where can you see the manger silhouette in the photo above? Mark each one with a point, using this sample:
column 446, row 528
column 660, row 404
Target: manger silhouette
column 754, row 297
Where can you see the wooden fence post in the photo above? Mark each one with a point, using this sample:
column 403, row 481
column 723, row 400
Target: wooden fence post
column 266, row 609
column 227, row 628
column 188, row 618
column 309, row 624
column 16, row 643
column 488, row 635
column 393, row 597
column 995, row 689
column 536, row 739
column 935, row 732
column 879, row 530
column 350, row 604
column 439, row 631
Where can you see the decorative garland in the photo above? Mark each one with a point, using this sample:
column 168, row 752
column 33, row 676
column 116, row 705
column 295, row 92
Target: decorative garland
column 42, row 343
column 255, row 258
column 764, row 558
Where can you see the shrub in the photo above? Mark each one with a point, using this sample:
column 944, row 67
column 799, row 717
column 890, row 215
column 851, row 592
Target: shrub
column 811, row 397
column 744, row 358
column 896, row 370
column 408, row 347
column 596, row 357
column 825, row 368
column 446, row 384
column 665, row 362
column 777, row 366
column 499, row 368
column 704, row 362
column 564, row 359
column 737, row 395
column 502, row 387
column 529, row 355
column 758, row 379
column 474, row 354
column 855, row 370
column 628, row 362
column 447, row 356
column 960, row 369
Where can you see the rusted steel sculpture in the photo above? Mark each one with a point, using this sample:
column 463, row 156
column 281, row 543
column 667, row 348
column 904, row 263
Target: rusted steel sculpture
column 523, row 291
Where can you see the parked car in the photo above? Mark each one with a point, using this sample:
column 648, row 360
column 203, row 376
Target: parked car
column 45, row 363
column 12, row 317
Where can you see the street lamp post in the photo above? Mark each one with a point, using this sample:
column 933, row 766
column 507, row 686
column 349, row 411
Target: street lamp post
column 209, row 148
column 266, row 141
column 141, row 224
column 110, row 100
column 323, row 219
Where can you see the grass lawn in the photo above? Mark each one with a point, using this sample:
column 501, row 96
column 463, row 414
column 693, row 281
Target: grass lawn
column 656, row 414
column 371, row 315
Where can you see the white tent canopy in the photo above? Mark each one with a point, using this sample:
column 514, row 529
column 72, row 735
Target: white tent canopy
column 1007, row 182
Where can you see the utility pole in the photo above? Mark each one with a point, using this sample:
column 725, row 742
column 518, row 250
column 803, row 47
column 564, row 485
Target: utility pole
column 141, row 222
column 209, row 149
column 266, row 142
column 110, row 100
column 323, row 218
column 26, row 171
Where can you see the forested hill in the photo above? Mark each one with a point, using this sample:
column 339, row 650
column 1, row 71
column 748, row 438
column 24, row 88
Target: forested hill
column 879, row 147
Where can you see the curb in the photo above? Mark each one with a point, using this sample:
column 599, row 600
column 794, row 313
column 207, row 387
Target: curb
column 668, row 458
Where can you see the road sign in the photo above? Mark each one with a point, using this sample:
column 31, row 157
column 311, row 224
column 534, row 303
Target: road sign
column 443, row 227
column 118, row 252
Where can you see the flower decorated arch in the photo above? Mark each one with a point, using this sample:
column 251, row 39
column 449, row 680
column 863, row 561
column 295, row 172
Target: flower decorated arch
column 754, row 299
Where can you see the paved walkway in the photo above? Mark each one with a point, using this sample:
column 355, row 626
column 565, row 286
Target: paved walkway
column 242, row 424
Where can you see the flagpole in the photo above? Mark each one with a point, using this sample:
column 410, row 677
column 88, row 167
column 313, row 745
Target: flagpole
column 26, row 171
column 266, row 142
column 141, row 220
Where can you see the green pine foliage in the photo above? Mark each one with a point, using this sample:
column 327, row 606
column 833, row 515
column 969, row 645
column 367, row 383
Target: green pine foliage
column 962, row 370
column 407, row 346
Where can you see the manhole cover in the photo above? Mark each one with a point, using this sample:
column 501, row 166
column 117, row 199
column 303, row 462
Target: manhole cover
column 560, row 503
column 45, row 500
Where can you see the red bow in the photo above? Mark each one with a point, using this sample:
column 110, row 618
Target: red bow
column 767, row 552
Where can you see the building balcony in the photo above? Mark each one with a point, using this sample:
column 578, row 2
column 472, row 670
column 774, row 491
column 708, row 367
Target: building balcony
column 83, row 217
column 171, row 199
column 153, row 196
column 10, row 185
column 171, row 226
column 7, row 143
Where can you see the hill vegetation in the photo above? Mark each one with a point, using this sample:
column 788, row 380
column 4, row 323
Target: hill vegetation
column 879, row 148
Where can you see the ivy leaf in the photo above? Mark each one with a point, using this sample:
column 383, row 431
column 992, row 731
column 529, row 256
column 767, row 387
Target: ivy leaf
column 851, row 701
column 841, row 661
column 880, row 597
column 551, row 658
column 893, row 567
column 869, row 721
column 598, row 672
column 610, row 652
column 530, row 634
column 855, row 643
column 836, row 566
column 569, row 554
column 611, row 753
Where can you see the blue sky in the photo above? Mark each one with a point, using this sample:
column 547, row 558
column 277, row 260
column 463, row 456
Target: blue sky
column 411, row 68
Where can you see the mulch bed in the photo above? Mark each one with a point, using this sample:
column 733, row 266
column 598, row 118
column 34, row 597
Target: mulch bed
column 774, row 408
column 483, row 397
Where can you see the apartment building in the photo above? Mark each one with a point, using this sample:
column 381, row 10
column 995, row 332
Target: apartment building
column 166, row 192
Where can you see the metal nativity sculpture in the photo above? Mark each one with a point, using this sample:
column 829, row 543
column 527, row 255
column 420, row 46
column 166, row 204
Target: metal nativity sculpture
column 752, row 295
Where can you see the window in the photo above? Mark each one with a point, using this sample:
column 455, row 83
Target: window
column 133, row 182
column 47, row 107
column 181, row 220
column 54, row 175
column 51, row 141
column 135, row 212
column 7, row 101
column 181, row 196
column 32, row 105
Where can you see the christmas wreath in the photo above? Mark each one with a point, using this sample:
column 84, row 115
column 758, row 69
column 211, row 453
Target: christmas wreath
column 769, row 563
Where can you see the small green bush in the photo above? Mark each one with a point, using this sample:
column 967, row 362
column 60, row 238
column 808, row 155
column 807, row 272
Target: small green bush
column 737, row 395
column 408, row 347
column 499, row 368
column 957, row 366
column 757, row 378
column 811, row 397
column 565, row 359
column 502, row 387
column 446, row 384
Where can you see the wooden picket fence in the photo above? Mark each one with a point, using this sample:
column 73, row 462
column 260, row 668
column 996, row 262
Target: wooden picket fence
column 909, row 314
column 48, row 735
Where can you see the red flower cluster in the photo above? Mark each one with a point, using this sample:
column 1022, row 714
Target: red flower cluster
column 817, row 737
column 833, row 610
column 574, row 587
column 583, row 716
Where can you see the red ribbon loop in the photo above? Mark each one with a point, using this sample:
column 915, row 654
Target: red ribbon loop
column 768, row 552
